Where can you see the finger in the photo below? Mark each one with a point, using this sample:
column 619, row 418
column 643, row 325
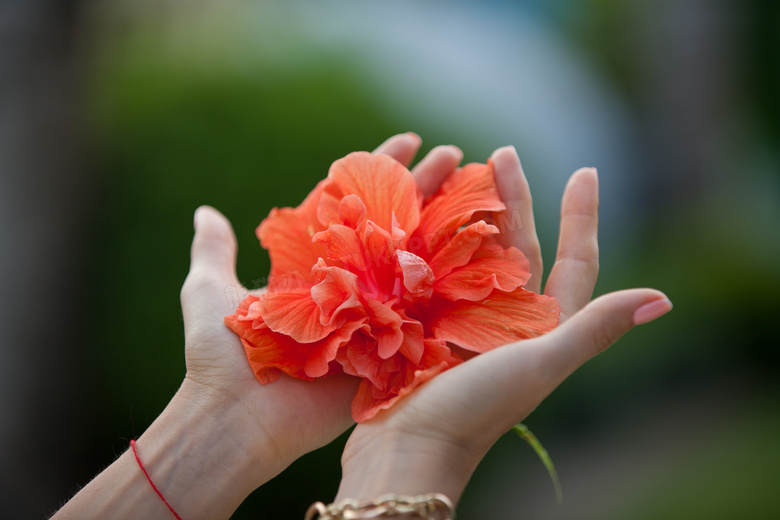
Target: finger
column 596, row 327
column 212, row 273
column 434, row 168
column 214, row 247
column 576, row 268
column 516, row 223
column 528, row 371
column 401, row 147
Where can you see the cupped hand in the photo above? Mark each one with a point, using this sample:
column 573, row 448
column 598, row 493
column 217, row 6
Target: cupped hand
column 291, row 415
column 432, row 440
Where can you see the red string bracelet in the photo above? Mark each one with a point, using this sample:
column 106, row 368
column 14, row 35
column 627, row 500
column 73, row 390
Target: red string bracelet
column 132, row 445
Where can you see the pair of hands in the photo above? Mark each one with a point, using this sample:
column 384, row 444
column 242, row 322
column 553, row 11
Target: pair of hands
column 432, row 440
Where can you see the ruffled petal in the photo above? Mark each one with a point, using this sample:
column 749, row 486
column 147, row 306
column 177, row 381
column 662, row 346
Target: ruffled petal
column 413, row 345
column 381, row 246
column 385, row 328
column 417, row 275
column 352, row 212
column 343, row 244
column 286, row 233
column 323, row 352
column 458, row 250
column 336, row 294
column 268, row 353
column 368, row 402
column 360, row 358
column 500, row 319
column 384, row 185
column 490, row 268
column 294, row 314
column 469, row 189
column 370, row 256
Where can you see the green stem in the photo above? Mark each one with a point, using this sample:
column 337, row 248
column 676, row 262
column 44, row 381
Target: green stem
column 525, row 434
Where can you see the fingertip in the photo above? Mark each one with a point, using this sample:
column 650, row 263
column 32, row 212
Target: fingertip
column 401, row 147
column 195, row 218
column 415, row 137
column 504, row 152
column 456, row 151
column 581, row 195
column 506, row 165
column 208, row 216
column 214, row 235
column 453, row 151
column 435, row 167
column 201, row 214
column 587, row 175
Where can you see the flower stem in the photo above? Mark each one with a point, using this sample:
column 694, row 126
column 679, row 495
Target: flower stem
column 525, row 434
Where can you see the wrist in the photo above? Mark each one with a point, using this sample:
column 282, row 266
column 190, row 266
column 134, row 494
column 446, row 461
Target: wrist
column 193, row 457
column 195, row 454
column 403, row 464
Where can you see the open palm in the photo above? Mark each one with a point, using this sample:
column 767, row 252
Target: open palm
column 432, row 440
column 298, row 416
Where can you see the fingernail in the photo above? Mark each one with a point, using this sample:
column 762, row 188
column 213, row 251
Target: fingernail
column 652, row 311
column 417, row 137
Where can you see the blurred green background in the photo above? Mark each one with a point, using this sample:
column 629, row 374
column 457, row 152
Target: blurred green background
column 150, row 109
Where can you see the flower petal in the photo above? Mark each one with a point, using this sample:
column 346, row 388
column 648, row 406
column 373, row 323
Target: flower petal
column 352, row 212
column 286, row 233
column 490, row 268
column 459, row 250
column 368, row 402
column 417, row 275
column 343, row 244
column 335, row 293
column 323, row 352
column 413, row 346
column 270, row 352
column 384, row 185
column 360, row 358
column 267, row 351
column 371, row 257
column 469, row 189
column 385, row 328
column 502, row 318
column 294, row 314
column 381, row 246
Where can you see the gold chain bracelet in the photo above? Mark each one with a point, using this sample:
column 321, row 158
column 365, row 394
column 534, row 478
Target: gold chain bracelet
column 434, row 506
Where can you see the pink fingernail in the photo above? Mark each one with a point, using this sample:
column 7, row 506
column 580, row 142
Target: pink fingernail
column 652, row 311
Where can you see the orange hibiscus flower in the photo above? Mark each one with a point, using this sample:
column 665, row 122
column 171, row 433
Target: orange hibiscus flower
column 370, row 279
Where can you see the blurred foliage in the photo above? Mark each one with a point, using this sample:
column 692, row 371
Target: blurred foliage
column 724, row 476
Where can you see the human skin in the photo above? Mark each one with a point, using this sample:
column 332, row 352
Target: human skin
column 432, row 441
column 223, row 434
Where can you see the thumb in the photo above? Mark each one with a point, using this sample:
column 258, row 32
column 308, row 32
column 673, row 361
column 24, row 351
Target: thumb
column 214, row 246
column 599, row 325
column 212, row 273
